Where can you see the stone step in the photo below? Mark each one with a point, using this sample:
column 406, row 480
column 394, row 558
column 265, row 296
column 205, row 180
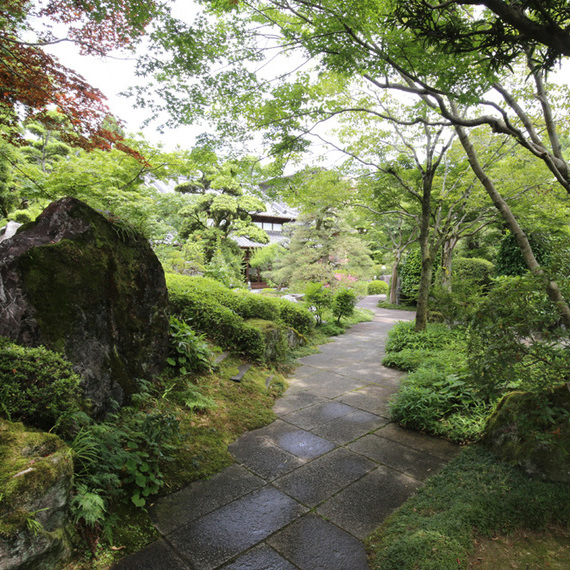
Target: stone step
column 242, row 369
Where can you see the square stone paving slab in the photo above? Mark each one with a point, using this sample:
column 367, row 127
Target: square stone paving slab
column 263, row 457
column 418, row 464
column 420, row 441
column 323, row 477
column 349, row 427
column 314, row 544
column 220, row 535
column 202, row 497
column 299, row 442
column 156, row 556
column 261, row 557
column 318, row 414
column 294, row 401
column 362, row 506
column 372, row 398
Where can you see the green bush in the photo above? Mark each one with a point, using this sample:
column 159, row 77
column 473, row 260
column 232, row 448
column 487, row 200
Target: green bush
column 188, row 351
column 473, row 269
column 377, row 288
column 318, row 298
column 410, row 271
column 37, row 386
column 403, row 335
column 516, row 341
column 343, row 303
column 436, row 396
column 220, row 313
column 510, row 261
column 295, row 316
column 221, row 324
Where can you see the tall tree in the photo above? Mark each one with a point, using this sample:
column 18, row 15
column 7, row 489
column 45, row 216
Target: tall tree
column 345, row 44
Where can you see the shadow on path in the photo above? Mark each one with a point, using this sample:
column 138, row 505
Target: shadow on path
column 308, row 488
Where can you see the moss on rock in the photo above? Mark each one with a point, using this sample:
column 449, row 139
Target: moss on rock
column 89, row 289
column 533, row 431
column 36, row 472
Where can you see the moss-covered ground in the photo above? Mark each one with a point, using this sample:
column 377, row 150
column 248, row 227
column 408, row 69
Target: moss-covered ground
column 454, row 519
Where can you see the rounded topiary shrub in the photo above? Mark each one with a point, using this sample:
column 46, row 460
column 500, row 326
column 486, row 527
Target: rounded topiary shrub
column 475, row 269
column 37, row 386
column 377, row 288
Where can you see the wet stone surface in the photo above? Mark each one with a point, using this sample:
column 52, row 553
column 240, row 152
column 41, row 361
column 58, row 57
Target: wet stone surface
column 332, row 449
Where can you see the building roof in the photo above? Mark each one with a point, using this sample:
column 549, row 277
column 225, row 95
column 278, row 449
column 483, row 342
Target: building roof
column 274, row 237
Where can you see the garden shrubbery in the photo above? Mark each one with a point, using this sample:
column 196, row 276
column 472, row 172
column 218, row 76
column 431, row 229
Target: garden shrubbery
column 220, row 313
column 436, row 396
column 37, row 386
column 377, row 288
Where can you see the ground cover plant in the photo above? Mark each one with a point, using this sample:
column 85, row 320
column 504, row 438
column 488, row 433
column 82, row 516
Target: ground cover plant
column 474, row 497
column 436, row 396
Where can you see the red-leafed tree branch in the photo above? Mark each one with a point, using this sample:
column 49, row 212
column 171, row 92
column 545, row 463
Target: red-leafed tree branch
column 33, row 82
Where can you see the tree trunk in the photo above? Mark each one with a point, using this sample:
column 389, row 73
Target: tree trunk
column 394, row 279
column 427, row 258
column 551, row 287
column 447, row 260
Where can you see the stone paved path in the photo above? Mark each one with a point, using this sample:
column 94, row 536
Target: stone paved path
column 307, row 488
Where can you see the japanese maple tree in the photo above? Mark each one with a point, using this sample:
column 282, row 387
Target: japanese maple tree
column 34, row 82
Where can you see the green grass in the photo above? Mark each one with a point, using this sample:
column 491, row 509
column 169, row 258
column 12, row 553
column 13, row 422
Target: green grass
column 403, row 307
column 474, row 496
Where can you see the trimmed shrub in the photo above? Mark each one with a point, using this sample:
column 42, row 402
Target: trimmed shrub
column 473, row 269
column 37, row 386
column 377, row 288
column 410, row 271
column 295, row 316
column 510, row 261
column 204, row 313
column 343, row 304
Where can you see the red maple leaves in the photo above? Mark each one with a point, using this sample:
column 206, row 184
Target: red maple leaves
column 33, row 82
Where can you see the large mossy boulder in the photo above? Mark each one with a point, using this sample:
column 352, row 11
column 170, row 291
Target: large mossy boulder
column 533, row 432
column 36, row 472
column 91, row 290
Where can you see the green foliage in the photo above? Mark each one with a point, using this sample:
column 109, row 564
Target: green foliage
column 322, row 246
column 225, row 264
column 377, row 288
column 436, row 396
column 473, row 494
column 219, row 323
column 188, row 351
column 510, row 261
column 403, row 335
column 121, row 458
column 410, row 271
column 474, row 269
column 295, row 315
column 317, row 298
column 343, row 303
column 516, row 341
column 37, row 387
column 220, row 313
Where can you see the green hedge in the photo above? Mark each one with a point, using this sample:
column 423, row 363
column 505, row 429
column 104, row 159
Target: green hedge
column 473, row 269
column 220, row 313
column 202, row 312
column 246, row 305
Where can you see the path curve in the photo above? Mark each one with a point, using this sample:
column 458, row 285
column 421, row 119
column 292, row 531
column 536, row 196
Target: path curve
column 306, row 489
